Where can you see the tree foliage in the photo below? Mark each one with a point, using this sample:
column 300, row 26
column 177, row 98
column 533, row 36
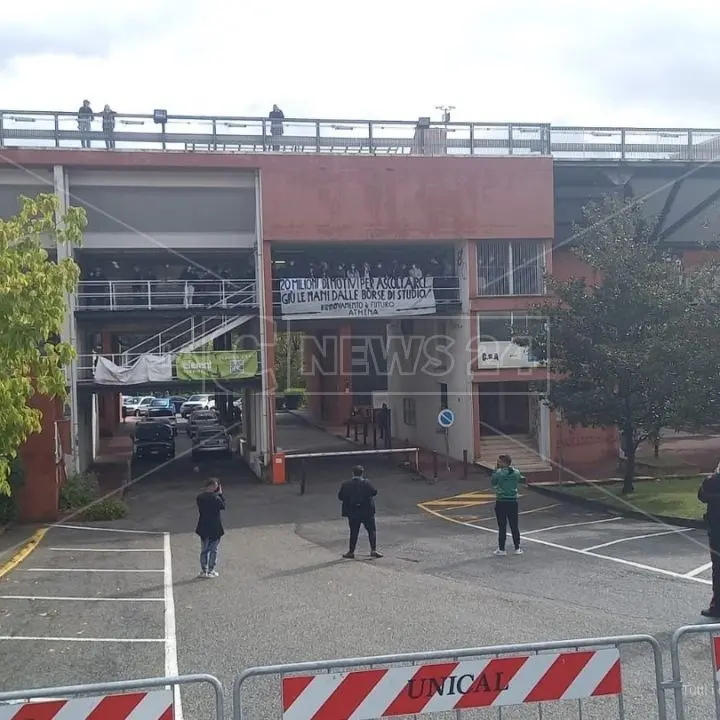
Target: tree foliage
column 33, row 304
column 288, row 360
column 629, row 349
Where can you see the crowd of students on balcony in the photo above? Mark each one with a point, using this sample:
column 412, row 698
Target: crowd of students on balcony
column 188, row 286
column 356, row 270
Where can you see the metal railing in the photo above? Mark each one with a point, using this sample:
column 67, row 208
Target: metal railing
column 156, row 692
column 195, row 133
column 582, row 672
column 112, row 295
column 680, row 682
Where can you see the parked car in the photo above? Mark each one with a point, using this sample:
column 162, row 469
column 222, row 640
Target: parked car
column 160, row 402
column 197, row 402
column 213, row 439
column 143, row 405
column 200, row 418
column 129, row 406
column 153, row 439
column 164, row 414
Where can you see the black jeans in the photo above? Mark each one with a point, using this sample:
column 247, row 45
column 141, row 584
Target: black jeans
column 369, row 523
column 715, row 559
column 506, row 512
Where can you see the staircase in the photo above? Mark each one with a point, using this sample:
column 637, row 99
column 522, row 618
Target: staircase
column 187, row 335
column 521, row 448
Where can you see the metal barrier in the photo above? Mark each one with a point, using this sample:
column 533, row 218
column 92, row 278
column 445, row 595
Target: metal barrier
column 109, row 699
column 454, row 680
column 679, row 683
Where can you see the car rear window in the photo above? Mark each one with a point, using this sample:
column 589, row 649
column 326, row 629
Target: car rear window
column 198, row 398
column 160, row 402
column 212, row 431
column 161, row 412
column 153, row 431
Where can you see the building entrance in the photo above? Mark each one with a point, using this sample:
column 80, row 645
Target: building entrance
column 506, row 409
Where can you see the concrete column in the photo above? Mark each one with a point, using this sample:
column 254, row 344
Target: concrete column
column 313, row 379
column 344, row 373
column 263, row 277
column 69, row 330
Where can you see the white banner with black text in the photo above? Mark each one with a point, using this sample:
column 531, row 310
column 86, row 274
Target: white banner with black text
column 309, row 298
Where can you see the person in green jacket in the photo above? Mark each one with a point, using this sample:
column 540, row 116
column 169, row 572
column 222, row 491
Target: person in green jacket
column 505, row 481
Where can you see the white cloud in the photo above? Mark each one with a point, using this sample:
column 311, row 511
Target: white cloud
column 599, row 63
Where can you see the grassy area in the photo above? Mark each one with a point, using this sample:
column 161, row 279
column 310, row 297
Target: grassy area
column 666, row 496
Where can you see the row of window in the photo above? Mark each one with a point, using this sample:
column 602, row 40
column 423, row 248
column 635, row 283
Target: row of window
column 514, row 267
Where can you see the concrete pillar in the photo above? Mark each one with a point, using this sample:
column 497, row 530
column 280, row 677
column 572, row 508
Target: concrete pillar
column 344, row 372
column 69, row 330
column 108, row 402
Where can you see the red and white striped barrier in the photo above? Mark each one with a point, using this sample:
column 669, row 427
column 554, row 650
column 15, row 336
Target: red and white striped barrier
column 482, row 682
column 150, row 705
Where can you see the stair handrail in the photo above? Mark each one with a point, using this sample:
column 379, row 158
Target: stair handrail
column 156, row 341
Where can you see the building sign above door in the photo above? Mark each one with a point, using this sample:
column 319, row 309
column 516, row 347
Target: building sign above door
column 373, row 297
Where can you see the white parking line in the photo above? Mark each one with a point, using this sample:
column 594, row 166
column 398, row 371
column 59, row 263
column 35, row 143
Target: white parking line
column 80, row 599
column 577, row 551
column 171, row 659
column 637, row 537
column 698, row 570
column 110, row 550
column 575, row 524
column 90, row 570
column 34, row 638
column 115, row 530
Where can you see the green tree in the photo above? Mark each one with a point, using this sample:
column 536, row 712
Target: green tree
column 33, row 292
column 288, row 360
column 621, row 350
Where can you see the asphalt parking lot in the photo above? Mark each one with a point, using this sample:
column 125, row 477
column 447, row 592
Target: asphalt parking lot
column 108, row 604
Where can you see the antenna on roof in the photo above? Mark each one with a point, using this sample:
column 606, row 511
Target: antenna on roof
column 445, row 111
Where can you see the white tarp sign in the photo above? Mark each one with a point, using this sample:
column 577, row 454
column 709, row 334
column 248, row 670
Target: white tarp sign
column 146, row 369
column 308, row 298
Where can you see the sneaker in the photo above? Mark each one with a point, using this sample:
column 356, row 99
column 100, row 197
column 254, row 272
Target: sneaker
column 712, row 613
column 213, row 574
column 349, row 556
column 375, row 554
column 518, row 551
column 203, row 574
column 499, row 552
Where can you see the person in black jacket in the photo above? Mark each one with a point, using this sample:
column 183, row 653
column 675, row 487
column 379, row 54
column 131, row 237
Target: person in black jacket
column 709, row 493
column 210, row 503
column 357, row 496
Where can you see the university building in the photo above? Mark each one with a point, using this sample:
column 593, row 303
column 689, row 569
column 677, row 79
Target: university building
column 402, row 254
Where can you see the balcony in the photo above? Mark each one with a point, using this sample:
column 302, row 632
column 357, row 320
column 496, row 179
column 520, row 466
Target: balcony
column 144, row 295
column 228, row 134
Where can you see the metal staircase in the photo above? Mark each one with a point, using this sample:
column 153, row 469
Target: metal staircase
column 187, row 335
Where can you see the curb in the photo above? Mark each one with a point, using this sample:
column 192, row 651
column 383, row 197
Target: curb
column 23, row 552
column 632, row 514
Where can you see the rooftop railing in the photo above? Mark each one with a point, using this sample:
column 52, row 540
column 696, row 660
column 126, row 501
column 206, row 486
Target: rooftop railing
column 192, row 133
column 125, row 295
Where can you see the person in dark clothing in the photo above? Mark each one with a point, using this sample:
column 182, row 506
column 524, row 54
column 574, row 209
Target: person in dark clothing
column 210, row 503
column 276, row 125
column 505, row 481
column 709, row 494
column 108, row 126
column 357, row 496
column 84, row 119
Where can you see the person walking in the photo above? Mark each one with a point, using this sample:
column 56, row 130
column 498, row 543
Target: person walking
column 211, row 503
column 505, row 481
column 357, row 496
column 709, row 494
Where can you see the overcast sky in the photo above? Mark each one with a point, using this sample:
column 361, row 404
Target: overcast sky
column 618, row 62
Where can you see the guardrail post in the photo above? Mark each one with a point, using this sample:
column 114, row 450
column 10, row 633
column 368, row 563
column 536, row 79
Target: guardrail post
column 472, row 139
column 374, row 436
column 365, row 433
column 510, row 139
column 434, row 467
column 691, row 152
column 347, row 429
column 465, row 463
column 356, row 431
column 370, row 139
column 303, row 475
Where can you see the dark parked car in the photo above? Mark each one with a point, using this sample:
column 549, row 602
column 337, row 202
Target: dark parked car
column 213, row 439
column 163, row 414
column 153, row 439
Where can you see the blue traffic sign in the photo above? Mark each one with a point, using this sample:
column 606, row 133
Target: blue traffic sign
column 446, row 418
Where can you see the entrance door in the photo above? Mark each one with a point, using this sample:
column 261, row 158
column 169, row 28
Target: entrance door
column 504, row 409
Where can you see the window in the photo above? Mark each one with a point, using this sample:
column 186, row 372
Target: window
column 514, row 267
column 409, row 417
column 519, row 327
column 443, row 396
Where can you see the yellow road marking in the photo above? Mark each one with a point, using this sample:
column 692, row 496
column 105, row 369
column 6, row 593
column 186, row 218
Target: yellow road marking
column 23, row 552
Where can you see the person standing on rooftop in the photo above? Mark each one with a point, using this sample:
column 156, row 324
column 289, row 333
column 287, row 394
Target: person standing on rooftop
column 276, row 125
column 85, row 117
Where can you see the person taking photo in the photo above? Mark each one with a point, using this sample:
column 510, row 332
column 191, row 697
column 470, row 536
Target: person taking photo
column 505, row 481
column 357, row 496
column 210, row 503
